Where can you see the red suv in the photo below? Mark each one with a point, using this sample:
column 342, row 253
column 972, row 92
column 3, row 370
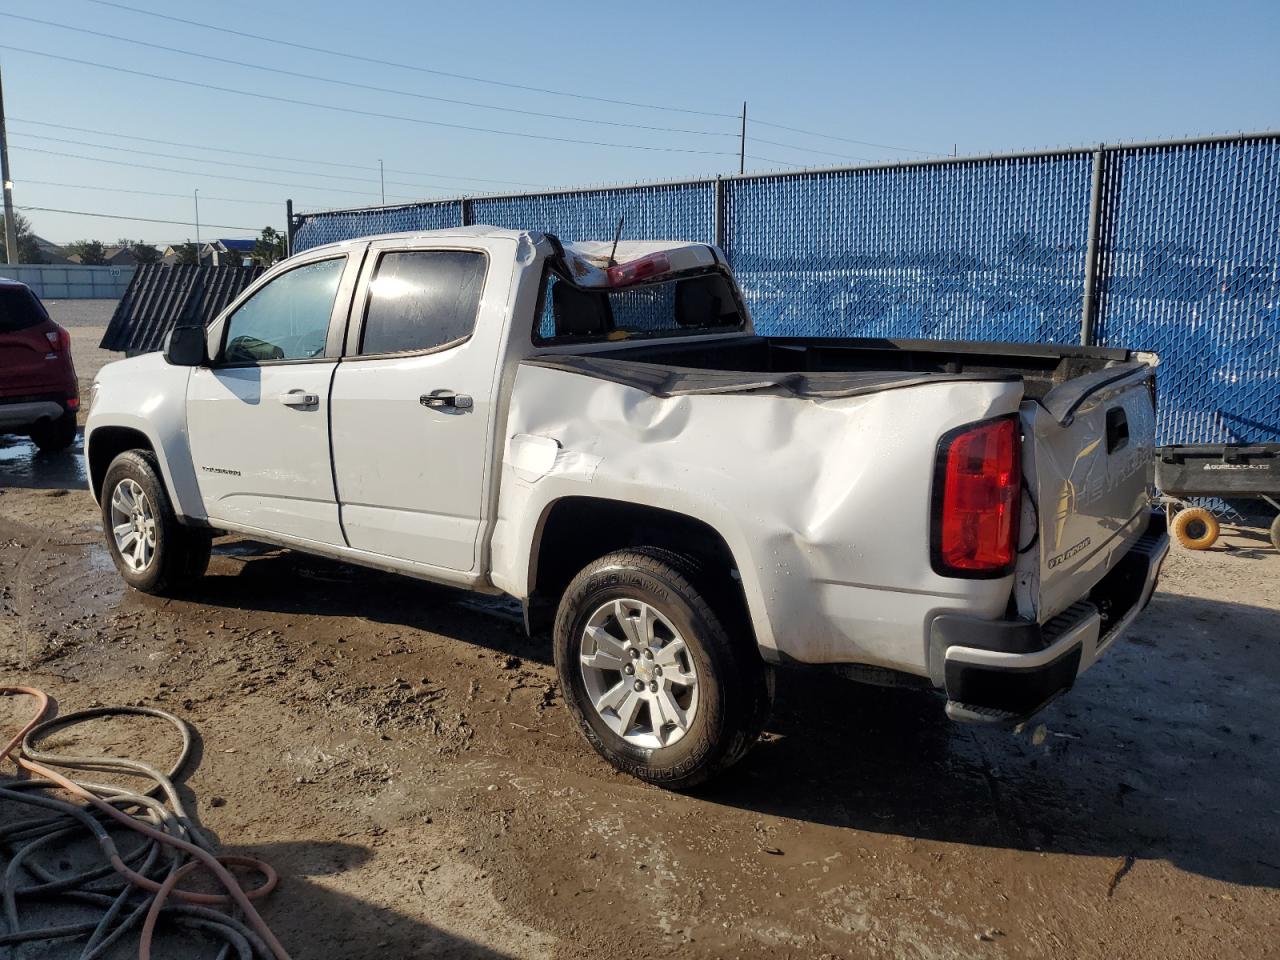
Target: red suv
column 39, row 394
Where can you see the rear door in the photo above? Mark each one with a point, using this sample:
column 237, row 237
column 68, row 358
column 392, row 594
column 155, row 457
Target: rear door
column 29, row 363
column 258, row 417
column 1091, row 446
column 413, row 398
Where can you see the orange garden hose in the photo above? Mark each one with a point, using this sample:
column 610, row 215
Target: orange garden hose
column 160, row 892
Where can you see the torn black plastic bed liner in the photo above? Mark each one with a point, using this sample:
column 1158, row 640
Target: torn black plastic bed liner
column 664, row 380
column 1061, row 378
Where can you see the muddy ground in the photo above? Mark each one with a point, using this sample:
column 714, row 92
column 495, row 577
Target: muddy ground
column 401, row 754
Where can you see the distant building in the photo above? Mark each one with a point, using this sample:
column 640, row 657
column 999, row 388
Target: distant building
column 218, row 253
column 113, row 256
column 50, row 252
column 234, row 253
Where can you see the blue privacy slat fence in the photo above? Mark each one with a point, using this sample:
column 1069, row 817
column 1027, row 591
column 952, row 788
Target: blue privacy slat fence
column 1172, row 247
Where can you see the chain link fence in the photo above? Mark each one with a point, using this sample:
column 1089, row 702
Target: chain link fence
column 1171, row 246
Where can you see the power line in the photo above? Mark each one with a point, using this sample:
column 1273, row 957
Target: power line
column 499, row 83
column 832, row 136
column 826, row 153
column 365, row 113
column 112, row 216
column 201, row 173
column 232, row 163
column 264, row 156
column 366, row 86
column 146, row 193
column 411, row 66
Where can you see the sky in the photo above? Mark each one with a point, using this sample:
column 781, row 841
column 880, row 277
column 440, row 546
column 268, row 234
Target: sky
column 866, row 81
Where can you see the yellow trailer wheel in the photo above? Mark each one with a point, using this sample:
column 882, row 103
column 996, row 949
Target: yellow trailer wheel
column 1195, row 528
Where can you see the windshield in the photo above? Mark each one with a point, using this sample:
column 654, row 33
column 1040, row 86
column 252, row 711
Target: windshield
column 664, row 309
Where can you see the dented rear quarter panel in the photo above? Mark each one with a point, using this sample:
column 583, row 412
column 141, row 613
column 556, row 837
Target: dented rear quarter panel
column 825, row 504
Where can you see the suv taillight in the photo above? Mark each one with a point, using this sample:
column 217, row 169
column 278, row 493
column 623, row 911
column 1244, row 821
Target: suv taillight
column 59, row 339
column 976, row 503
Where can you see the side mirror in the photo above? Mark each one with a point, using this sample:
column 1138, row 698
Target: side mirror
column 185, row 346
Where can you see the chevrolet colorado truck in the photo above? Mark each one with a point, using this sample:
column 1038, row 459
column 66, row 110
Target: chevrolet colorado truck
column 597, row 431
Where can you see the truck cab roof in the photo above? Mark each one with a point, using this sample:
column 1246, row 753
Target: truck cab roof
column 587, row 259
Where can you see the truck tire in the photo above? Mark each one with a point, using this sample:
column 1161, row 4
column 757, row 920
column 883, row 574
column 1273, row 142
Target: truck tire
column 656, row 682
column 152, row 550
column 1195, row 528
column 54, row 435
column 1275, row 532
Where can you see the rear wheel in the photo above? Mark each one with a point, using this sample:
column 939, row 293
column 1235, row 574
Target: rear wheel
column 1195, row 528
column 657, row 684
column 152, row 550
column 1275, row 532
column 54, row 435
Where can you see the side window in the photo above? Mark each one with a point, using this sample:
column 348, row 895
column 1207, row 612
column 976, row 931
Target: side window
column 421, row 299
column 288, row 319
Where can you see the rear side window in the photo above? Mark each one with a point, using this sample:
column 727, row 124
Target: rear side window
column 19, row 309
column 422, row 299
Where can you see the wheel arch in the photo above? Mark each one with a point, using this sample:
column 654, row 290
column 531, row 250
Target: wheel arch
column 574, row 530
column 104, row 442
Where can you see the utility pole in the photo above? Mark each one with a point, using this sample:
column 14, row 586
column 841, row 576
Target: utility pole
column 383, row 181
column 197, row 196
column 10, row 224
column 742, row 142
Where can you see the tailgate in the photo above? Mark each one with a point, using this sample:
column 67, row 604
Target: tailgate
column 1089, row 458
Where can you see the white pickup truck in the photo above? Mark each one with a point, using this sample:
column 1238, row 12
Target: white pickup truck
column 597, row 432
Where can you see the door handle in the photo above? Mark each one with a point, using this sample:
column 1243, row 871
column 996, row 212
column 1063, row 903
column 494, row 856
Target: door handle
column 299, row 398
column 446, row 398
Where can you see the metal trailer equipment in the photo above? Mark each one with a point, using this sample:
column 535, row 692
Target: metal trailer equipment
column 1242, row 476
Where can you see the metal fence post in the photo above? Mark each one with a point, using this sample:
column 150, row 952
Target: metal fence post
column 1089, row 309
column 288, row 228
column 719, row 227
column 465, row 211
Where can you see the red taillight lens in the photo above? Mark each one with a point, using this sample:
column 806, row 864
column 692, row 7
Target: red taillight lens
column 634, row 271
column 59, row 339
column 976, row 500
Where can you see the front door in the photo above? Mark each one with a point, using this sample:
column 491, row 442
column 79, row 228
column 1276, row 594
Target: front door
column 258, row 417
column 413, row 398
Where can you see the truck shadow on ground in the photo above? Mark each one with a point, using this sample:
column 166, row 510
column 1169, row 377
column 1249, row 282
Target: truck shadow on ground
column 1163, row 751
column 1166, row 750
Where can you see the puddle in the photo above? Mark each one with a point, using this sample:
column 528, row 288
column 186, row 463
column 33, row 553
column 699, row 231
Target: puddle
column 22, row 464
column 504, row 608
column 244, row 548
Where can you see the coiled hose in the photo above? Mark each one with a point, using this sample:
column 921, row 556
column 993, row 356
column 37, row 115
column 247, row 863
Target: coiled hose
column 139, row 885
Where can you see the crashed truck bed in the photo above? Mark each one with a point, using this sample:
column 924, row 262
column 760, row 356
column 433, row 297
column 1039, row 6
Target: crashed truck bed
column 814, row 423
column 1058, row 378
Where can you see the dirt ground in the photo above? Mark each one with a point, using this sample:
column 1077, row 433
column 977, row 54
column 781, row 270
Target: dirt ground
column 401, row 754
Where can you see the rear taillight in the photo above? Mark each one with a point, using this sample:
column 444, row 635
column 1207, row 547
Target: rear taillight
column 59, row 339
column 633, row 271
column 976, row 500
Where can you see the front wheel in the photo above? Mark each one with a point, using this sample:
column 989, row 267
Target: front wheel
column 1275, row 532
column 657, row 684
column 152, row 550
